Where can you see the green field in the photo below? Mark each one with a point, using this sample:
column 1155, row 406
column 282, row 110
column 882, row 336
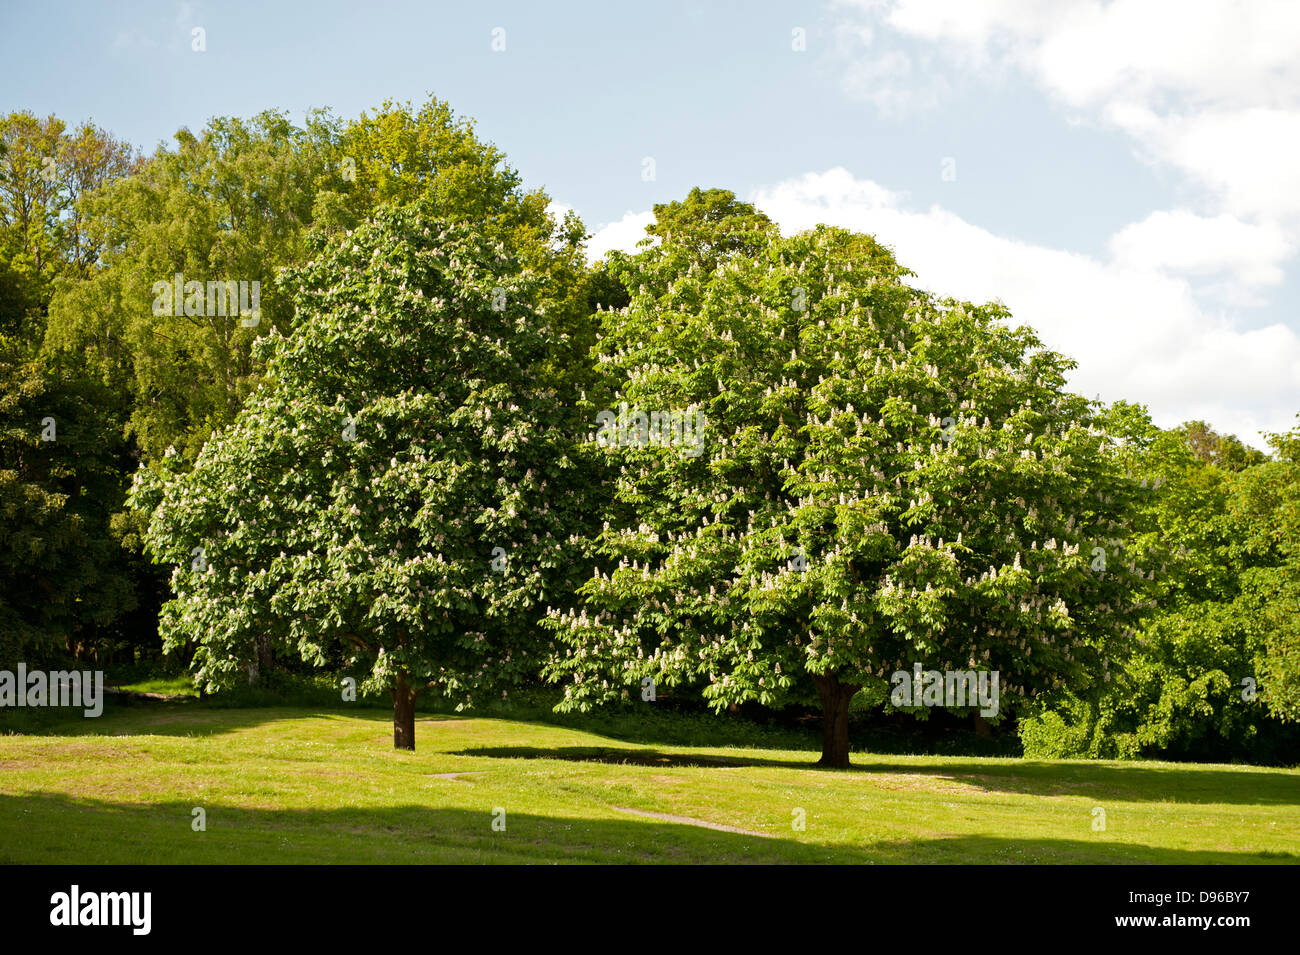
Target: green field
column 293, row 785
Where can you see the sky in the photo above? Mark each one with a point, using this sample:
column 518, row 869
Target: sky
column 1122, row 175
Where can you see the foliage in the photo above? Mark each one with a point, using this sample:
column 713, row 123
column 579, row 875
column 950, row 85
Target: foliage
column 65, row 581
column 713, row 226
column 235, row 203
column 45, row 169
column 1212, row 671
column 1266, row 505
column 229, row 205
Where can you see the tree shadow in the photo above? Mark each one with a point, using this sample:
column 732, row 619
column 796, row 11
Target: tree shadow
column 53, row 828
column 1125, row 782
column 57, row 829
column 617, row 756
column 995, row 850
column 189, row 718
column 1175, row 783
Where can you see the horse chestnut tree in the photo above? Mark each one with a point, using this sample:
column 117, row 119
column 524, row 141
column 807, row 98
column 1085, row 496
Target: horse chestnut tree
column 885, row 479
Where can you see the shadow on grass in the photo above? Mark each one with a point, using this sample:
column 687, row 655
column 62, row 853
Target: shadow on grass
column 127, row 717
column 1128, row 782
column 53, row 828
column 614, row 756
column 242, row 709
column 1184, row 783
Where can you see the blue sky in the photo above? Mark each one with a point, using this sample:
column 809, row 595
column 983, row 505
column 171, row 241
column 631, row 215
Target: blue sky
column 1121, row 174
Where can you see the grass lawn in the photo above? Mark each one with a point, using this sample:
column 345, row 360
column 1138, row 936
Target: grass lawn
column 296, row 785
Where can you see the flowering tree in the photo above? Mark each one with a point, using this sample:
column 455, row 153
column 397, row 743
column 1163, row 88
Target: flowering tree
column 885, row 478
column 392, row 486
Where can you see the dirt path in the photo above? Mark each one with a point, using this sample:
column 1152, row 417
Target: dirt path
column 688, row 821
column 474, row 772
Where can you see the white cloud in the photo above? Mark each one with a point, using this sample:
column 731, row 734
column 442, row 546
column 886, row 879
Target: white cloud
column 1208, row 87
column 891, row 79
column 1207, row 51
column 622, row 235
column 1183, row 242
column 1135, row 329
column 134, row 39
column 1245, row 158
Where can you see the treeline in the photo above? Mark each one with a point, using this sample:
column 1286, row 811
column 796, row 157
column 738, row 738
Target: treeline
column 346, row 395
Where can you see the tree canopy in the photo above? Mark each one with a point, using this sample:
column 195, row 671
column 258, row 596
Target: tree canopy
column 234, row 203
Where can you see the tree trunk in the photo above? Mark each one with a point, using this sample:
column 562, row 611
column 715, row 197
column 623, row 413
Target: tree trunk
column 835, row 698
column 982, row 728
column 403, row 714
column 265, row 657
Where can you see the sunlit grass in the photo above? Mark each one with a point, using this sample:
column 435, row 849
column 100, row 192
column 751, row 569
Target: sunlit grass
column 164, row 685
column 298, row 785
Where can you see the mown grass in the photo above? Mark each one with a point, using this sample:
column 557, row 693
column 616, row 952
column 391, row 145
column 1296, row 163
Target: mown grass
column 299, row 785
